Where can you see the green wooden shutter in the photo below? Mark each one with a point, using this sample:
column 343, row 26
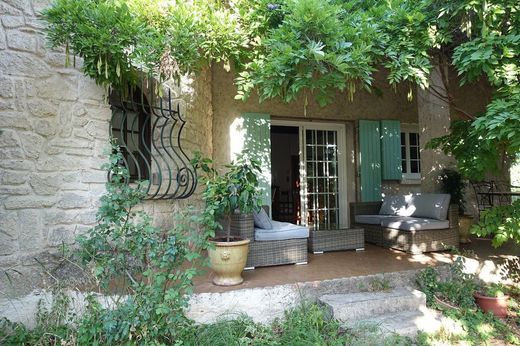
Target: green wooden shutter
column 391, row 149
column 370, row 160
column 257, row 143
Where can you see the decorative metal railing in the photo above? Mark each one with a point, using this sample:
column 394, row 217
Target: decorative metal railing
column 148, row 128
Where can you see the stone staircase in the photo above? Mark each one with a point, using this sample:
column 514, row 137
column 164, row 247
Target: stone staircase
column 400, row 310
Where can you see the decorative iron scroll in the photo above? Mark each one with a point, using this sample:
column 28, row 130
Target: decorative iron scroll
column 148, row 130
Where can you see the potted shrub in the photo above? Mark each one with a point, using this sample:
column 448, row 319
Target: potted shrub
column 235, row 192
column 492, row 298
column 454, row 184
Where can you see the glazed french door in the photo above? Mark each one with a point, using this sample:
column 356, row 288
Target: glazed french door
column 322, row 175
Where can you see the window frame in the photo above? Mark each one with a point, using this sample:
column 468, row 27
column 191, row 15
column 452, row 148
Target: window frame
column 407, row 130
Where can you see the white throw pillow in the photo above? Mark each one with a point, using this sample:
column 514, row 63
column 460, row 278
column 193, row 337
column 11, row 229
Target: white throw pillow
column 262, row 220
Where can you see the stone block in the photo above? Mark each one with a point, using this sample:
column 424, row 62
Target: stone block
column 98, row 129
column 13, row 21
column 14, row 190
column 8, row 245
column 23, row 64
column 45, row 184
column 87, row 217
column 28, row 202
column 58, row 87
column 61, row 235
column 55, row 59
column 35, row 23
column 8, row 138
column 12, row 178
column 17, row 165
column 58, row 163
column 42, row 108
column 14, row 120
column 32, row 144
column 31, row 238
column 73, row 200
column 22, row 5
column 9, row 223
column 89, row 90
column 94, row 176
column 22, row 41
column 3, row 40
column 11, row 153
column 73, row 142
column 6, row 86
column 40, row 5
column 45, row 128
column 59, row 217
column 101, row 112
column 7, row 8
column 65, row 119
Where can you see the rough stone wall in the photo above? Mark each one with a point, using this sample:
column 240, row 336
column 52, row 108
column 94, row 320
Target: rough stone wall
column 54, row 125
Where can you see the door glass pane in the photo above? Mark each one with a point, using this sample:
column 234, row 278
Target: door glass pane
column 322, row 191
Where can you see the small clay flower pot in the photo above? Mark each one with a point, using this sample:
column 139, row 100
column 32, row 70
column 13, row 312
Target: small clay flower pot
column 495, row 305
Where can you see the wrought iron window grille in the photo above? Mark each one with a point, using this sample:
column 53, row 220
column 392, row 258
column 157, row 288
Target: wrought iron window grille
column 148, row 129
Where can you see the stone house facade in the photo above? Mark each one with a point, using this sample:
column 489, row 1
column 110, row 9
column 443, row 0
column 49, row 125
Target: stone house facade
column 54, row 126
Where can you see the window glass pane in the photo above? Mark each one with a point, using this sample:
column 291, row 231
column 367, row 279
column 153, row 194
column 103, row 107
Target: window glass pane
column 117, row 117
column 414, row 139
column 331, row 135
column 310, row 152
column 309, row 136
column 320, row 137
column 414, row 166
column 403, row 138
column 403, row 153
column 414, row 153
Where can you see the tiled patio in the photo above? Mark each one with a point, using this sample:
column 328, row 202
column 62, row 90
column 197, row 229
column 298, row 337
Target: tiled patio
column 373, row 260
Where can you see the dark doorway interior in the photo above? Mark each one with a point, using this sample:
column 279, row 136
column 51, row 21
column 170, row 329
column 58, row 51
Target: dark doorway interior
column 285, row 174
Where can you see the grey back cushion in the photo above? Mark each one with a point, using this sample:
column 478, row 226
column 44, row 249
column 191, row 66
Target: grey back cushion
column 395, row 205
column 433, row 206
column 262, row 220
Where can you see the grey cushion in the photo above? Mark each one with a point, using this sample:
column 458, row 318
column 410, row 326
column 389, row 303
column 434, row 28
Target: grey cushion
column 281, row 231
column 262, row 220
column 432, row 206
column 414, row 224
column 371, row 219
column 396, row 205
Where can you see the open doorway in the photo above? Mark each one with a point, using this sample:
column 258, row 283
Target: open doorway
column 285, row 174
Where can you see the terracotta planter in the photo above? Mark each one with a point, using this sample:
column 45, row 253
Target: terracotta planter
column 495, row 305
column 465, row 222
column 228, row 260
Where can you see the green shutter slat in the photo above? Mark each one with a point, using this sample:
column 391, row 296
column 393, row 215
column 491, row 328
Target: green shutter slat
column 370, row 160
column 391, row 149
column 257, row 143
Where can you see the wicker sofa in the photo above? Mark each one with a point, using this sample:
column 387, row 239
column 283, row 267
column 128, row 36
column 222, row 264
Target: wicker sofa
column 268, row 252
column 399, row 231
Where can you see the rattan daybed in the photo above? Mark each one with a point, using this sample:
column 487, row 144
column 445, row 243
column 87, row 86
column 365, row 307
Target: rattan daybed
column 411, row 241
column 269, row 252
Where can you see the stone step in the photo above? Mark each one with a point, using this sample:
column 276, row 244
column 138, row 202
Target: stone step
column 368, row 305
column 406, row 323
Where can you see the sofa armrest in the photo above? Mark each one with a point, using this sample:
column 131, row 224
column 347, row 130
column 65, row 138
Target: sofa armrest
column 363, row 208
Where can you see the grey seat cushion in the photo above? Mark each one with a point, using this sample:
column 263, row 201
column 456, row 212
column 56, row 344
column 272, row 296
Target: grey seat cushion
column 371, row 219
column 281, row 231
column 262, row 220
column 414, row 224
column 396, row 205
column 431, row 206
